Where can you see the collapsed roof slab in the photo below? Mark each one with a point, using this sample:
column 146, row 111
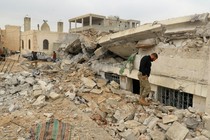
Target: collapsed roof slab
column 188, row 23
column 131, row 34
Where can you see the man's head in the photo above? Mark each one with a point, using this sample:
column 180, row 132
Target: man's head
column 154, row 56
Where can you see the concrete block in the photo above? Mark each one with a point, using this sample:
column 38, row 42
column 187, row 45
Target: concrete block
column 71, row 95
column 88, row 82
column 169, row 118
column 129, row 135
column 163, row 126
column 177, row 132
column 157, row 135
column 37, row 93
column 153, row 123
column 30, row 80
column 54, row 95
column 142, row 128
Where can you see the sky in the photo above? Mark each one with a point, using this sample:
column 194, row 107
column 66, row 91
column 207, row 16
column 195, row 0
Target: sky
column 12, row 12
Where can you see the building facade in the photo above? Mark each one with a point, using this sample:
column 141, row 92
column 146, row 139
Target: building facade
column 42, row 39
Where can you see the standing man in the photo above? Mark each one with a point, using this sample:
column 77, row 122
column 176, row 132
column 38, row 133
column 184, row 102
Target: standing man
column 144, row 73
column 54, row 56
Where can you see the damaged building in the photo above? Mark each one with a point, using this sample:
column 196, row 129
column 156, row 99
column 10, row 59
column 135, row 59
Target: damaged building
column 100, row 23
column 180, row 77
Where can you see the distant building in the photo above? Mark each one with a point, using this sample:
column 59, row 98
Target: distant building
column 10, row 37
column 99, row 22
column 42, row 39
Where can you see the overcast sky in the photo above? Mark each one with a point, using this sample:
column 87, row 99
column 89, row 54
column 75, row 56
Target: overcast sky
column 12, row 12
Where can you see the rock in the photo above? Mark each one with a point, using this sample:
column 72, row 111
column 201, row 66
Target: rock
column 48, row 115
column 191, row 123
column 206, row 120
column 71, row 95
column 89, row 83
column 37, row 87
column 43, row 84
column 206, row 133
column 153, row 123
column 14, row 90
column 54, row 95
column 39, row 101
column 24, row 93
column 163, row 126
column 13, row 107
column 37, row 93
column 30, row 80
column 25, row 73
column 169, row 118
column 142, row 128
column 12, row 81
column 96, row 91
column 131, row 124
column 157, row 135
column 129, row 135
column 177, row 132
column 114, row 84
column 191, row 109
column 179, row 113
column 101, row 82
column 148, row 119
column 126, row 112
column 49, row 87
column 2, row 92
column 121, row 127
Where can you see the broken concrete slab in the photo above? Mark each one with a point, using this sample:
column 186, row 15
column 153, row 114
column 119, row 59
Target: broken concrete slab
column 169, row 118
column 30, row 80
column 200, row 138
column 177, row 132
column 153, row 123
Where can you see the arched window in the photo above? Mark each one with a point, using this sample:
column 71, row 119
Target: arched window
column 45, row 44
column 22, row 44
column 29, row 44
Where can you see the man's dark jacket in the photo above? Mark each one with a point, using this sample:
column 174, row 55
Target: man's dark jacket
column 145, row 65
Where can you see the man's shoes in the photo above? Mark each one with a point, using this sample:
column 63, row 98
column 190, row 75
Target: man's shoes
column 143, row 102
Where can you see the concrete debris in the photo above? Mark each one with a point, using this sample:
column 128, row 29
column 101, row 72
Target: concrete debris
column 177, row 132
column 169, row 118
column 72, row 91
column 54, row 95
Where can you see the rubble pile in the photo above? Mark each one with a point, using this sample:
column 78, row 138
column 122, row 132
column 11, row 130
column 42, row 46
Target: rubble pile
column 114, row 109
